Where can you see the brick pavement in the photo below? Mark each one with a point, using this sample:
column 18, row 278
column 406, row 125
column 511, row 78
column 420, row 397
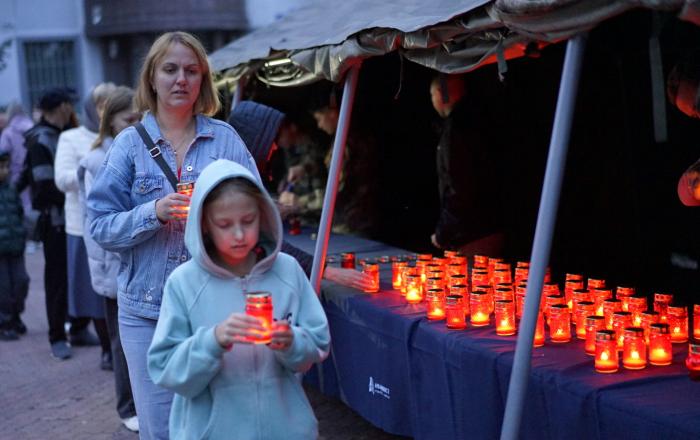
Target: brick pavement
column 42, row 398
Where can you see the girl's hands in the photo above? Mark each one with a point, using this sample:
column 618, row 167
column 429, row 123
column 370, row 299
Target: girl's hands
column 173, row 206
column 348, row 277
column 282, row 335
column 237, row 328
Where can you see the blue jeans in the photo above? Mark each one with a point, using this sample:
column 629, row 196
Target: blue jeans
column 152, row 402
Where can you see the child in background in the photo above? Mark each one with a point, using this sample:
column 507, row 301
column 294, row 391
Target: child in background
column 227, row 387
column 14, row 281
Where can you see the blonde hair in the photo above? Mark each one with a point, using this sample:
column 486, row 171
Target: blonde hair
column 100, row 94
column 121, row 98
column 208, row 100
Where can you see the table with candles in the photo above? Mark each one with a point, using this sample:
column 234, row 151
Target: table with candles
column 414, row 368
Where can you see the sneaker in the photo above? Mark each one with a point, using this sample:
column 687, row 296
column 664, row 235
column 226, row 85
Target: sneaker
column 19, row 326
column 8, row 334
column 60, row 350
column 84, row 339
column 106, row 361
column 131, row 423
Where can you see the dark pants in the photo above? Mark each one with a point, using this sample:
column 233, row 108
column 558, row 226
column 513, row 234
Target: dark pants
column 56, row 285
column 14, row 285
column 125, row 400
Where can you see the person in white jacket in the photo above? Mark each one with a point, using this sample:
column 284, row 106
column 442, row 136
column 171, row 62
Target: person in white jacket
column 83, row 303
column 207, row 350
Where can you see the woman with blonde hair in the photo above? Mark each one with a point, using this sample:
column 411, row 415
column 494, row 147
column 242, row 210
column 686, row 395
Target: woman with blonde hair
column 134, row 208
column 117, row 115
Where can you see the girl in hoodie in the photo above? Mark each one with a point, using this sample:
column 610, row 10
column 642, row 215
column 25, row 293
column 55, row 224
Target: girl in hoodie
column 225, row 387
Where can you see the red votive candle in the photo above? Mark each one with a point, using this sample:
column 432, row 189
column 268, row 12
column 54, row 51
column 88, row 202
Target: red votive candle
column 580, row 295
column 489, row 295
column 503, row 291
column 595, row 283
column 520, row 291
column 571, row 283
column 461, row 290
column 623, row 293
column 610, row 306
column 692, row 362
column 521, row 273
column 397, row 273
column 621, row 320
column 584, row 309
column 434, row 283
column 435, row 299
column 593, row 324
column 372, row 269
column 636, row 305
column 549, row 301
column 606, row 359
column 501, row 276
column 538, row 340
column 678, row 324
column 185, row 188
column 599, row 296
column 559, row 323
column 414, row 292
column 259, row 305
column 347, row 260
column 660, row 345
column 456, row 269
column 505, row 317
column 481, row 261
column 696, row 321
column 661, row 302
column 405, row 272
column 634, row 352
column 454, row 312
column 649, row 317
column 479, row 308
column 456, row 280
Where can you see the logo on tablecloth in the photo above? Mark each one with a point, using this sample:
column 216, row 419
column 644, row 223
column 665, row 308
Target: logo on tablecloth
column 378, row 389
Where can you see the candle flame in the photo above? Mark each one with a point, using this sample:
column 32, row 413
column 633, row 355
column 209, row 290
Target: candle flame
column 634, row 355
column 604, row 356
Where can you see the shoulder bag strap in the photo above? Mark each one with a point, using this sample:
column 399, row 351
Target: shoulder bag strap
column 154, row 151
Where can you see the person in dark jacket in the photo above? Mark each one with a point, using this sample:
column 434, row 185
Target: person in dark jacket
column 467, row 176
column 14, row 281
column 56, row 106
column 261, row 128
column 683, row 91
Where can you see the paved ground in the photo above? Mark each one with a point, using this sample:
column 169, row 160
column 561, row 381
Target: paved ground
column 42, row 398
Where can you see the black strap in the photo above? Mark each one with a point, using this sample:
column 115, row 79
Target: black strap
column 154, row 151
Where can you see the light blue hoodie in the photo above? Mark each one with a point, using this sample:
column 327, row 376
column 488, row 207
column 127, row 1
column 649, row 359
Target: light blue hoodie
column 250, row 392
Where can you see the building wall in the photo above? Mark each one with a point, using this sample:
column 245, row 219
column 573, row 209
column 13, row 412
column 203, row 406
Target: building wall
column 263, row 12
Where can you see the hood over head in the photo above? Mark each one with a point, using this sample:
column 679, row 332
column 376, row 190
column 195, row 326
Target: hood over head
column 270, row 222
column 257, row 125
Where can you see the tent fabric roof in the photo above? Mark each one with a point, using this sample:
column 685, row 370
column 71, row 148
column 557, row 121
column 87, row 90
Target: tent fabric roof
column 324, row 38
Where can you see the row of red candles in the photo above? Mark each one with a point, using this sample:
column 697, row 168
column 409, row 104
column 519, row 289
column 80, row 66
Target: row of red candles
column 607, row 324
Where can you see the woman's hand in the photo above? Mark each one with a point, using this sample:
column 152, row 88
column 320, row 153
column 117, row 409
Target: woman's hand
column 238, row 327
column 172, row 207
column 348, row 277
column 282, row 335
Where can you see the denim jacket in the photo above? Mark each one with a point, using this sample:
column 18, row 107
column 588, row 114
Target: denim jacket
column 122, row 206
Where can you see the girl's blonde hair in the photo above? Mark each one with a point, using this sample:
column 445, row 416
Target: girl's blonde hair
column 122, row 98
column 208, row 100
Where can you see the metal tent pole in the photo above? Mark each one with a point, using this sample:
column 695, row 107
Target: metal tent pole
column 546, row 217
column 341, row 135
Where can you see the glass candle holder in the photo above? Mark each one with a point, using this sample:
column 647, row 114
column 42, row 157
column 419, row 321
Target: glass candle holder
column 185, row 188
column 696, row 321
column 503, row 292
column 489, row 295
column 479, row 308
column 538, row 340
column 692, row 362
column 481, row 261
column 505, row 317
column 520, row 292
column 434, row 283
column 259, row 305
column 456, row 280
column 430, row 268
column 606, row 358
column 621, row 320
column 397, row 273
column 549, row 301
column 414, row 292
column 660, row 345
column 610, row 306
column 450, row 254
column 501, row 276
column 454, row 312
column 634, row 351
column 599, row 296
column 521, row 274
column 461, row 290
column 347, row 260
column 479, row 278
column 435, row 300
column 595, row 283
column 405, row 272
column 678, row 324
column 421, row 268
column 636, row 305
column 593, row 324
column 559, row 323
column 425, row 257
column 550, row 289
column 583, row 311
column 580, row 295
column 623, row 293
column 661, row 302
column 570, row 286
column 649, row 317
column 456, row 269
column 548, row 275
column 372, row 269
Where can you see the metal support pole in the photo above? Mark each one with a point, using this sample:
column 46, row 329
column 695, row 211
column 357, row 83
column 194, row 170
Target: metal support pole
column 546, row 218
column 341, row 135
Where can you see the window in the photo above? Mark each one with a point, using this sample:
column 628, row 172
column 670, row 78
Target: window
column 49, row 64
